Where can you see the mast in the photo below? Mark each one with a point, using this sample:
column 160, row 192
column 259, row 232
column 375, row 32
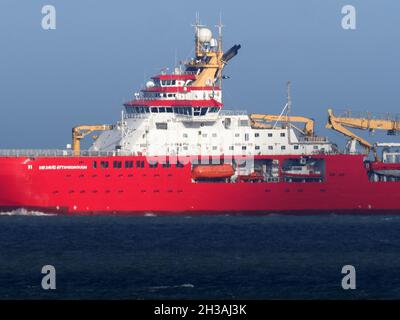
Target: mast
column 289, row 107
column 219, row 50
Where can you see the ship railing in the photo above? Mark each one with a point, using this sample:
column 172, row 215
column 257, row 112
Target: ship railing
column 313, row 139
column 136, row 115
column 60, row 153
column 347, row 113
column 226, row 112
column 187, row 117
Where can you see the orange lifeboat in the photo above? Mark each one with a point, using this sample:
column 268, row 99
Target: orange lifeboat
column 212, row 171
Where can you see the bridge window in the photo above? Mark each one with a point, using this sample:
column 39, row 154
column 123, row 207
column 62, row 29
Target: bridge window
column 213, row 109
column 154, row 110
column 161, row 109
column 169, row 110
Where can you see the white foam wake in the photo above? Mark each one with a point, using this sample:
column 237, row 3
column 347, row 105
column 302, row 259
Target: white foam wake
column 24, row 212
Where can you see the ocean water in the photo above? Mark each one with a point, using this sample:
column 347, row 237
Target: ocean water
column 225, row 257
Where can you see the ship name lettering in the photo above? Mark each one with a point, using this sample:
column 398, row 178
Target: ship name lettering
column 62, row 167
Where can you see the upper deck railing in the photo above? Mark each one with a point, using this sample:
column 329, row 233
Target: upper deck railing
column 59, row 153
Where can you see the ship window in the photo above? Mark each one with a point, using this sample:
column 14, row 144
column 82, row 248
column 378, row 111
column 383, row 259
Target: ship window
column 230, row 147
column 296, row 147
column 179, row 165
column 129, row 164
column 257, row 147
column 185, row 147
column 104, row 164
column 153, row 164
column 315, row 147
column 282, row 134
column 166, row 164
column 214, row 135
column 162, row 125
column 139, row 164
column 146, row 109
column 169, row 110
column 196, row 111
column 204, row 135
column 161, row 109
column 94, row 164
column 243, row 123
column 213, row 109
column 237, row 135
column 246, row 137
column 155, row 110
column 185, row 135
column 269, row 134
column 204, row 111
column 244, row 147
column 214, row 147
column 270, row 147
column 256, row 134
column 117, row 164
column 283, row 147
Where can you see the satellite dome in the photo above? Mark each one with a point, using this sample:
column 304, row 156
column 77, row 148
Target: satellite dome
column 150, row 84
column 205, row 35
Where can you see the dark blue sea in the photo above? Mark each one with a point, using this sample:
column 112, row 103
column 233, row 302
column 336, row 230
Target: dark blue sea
column 226, row 257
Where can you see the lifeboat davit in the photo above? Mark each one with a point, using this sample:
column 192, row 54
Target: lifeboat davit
column 212, row 171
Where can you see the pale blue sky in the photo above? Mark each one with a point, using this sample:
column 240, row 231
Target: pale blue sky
column 101, row 51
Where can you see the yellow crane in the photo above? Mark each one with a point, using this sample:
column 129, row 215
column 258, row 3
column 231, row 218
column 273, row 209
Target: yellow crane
column 258, row 119
column 80, row 132
column 341, row 124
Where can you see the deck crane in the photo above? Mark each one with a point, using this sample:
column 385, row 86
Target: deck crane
column 80, row 132
column 341, row 124
column 258, row 119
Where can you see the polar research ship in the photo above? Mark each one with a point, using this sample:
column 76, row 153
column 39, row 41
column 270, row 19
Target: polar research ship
column 176, row 150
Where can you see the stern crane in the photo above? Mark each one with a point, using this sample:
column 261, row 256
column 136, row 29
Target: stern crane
column 341, row 124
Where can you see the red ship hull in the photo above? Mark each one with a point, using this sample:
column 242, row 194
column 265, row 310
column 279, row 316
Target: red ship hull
column 70, row 185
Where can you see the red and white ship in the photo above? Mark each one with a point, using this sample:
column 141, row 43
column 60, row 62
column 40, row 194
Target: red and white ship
column 176, row 151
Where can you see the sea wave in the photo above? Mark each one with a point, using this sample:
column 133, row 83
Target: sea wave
column 24, row 212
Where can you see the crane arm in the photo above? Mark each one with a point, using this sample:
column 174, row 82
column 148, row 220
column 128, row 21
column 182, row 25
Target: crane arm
column 80, row 132
column 339, row 125
column 308, row 123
